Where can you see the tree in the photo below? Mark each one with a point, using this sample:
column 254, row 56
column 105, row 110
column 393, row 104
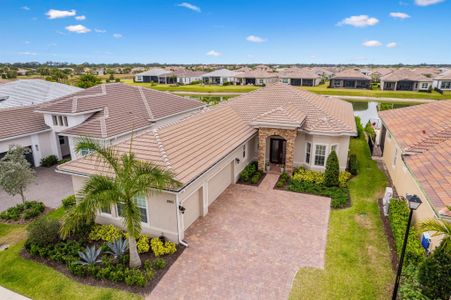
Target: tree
column 332, row 172
column 88, row 80
column 439, row 228
column 57, row 75
column 15, row 171
column 131, row 178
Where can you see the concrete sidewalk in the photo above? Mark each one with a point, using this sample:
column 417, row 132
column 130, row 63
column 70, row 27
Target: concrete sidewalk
column 6, row 294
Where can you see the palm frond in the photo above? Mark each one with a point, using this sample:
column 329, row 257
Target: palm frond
column 108, row 154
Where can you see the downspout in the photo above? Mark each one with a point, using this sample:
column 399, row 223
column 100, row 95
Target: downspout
column 178, row 221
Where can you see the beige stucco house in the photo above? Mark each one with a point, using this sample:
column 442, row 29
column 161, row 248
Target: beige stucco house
column 405, row 80
column 276, row 125
column 416, row 144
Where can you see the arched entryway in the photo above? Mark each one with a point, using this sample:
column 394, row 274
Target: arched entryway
column 277, row 150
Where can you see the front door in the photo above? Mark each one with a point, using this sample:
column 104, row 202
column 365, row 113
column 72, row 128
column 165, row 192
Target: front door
column 277, row 151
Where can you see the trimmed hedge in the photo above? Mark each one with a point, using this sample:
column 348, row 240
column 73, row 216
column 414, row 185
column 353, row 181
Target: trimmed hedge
column 339, row 196
column 251, row 174
column 49, row 161
column 24, row 211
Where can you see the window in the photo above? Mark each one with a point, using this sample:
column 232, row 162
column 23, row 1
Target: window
column 120, row 209
column 334, row 147
column 320, row 155
column 141, row 202
column 285, row 80
column 337, row 83
column 60, row 121
column 65, row 121
column 62, row 140
column 55, row 120
column 395, row 157
column 139, row 78
column 106, row 209
column 445, row 85
column 244, row 151
column 84, row 152
column 308, row 151
column 424, row 85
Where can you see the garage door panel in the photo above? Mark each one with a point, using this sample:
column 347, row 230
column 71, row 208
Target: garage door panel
column 219, row 183
column 193, row 208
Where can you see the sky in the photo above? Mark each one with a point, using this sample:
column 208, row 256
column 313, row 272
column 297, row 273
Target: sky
column 232, row 31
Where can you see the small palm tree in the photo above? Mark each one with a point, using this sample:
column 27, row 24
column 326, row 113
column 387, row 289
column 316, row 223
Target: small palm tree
column 439, row 228
column 131, row 178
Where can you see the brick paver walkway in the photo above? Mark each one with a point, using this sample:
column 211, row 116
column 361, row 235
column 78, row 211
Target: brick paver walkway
column 249, row 246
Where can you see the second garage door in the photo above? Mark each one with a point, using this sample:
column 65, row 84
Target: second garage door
column 219, row 183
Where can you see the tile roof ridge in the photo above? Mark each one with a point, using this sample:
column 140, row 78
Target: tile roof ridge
column 163, row 152
column 279, row 108
column 146, row 104
column 103, row 128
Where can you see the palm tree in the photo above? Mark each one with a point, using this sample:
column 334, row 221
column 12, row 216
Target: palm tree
column 132, row 178
column 439, row 228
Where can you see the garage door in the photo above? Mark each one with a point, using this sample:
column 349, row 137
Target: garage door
column 219, row 183
column 193, row 208
column 28, row 156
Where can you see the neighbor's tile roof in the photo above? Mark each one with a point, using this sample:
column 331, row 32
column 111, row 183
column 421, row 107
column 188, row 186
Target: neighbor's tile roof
column 183, row 73
column 299, row 73
column 27, row 92
column 382, row 71
column 424, row 134
column 444, row 76
column 20, row 121
column 404, row 74
column 350, row 74
column 221, row 73
column 154, row 72
column 284, row 116
column 256, row 74
column 119, row 108
column 191, row 146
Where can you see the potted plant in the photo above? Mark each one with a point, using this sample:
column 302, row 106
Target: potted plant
column 282, row 168
column 267, row 167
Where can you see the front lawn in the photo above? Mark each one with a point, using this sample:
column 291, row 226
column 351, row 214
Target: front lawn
column 38, row 281
column 377, row 93
column 358, row 264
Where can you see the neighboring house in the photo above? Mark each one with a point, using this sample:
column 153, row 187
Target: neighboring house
column 276, row 125
column 28, row 92
column 416, row 144
column 110, row 113
column 263, row 68
column 366, row 72
column 442, row 81
column 137, row 70
column 428, row 72
column 22, row 72
column 99, row 71
column 324, row 73
column 405, row 80
column 152, row 75
column 377, row 73
column 350, row 79
column 182, row 76
column 220, row 77
column 256, row 77
column 300, row 77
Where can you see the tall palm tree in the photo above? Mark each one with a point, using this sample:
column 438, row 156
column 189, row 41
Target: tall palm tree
column 439, row 228
column 132, row 178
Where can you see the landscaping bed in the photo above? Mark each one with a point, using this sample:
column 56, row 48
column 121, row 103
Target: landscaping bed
column 23, row 213
column 98, row 255
column 251, row 175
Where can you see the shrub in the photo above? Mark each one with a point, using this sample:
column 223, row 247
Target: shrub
column 248, row 172
column 26, row 211
column 332, row 170
column 159, row 248
column 339, row 196
column 256, row 177
column 353, row 164
column 77, row 269
column 117, row 248
column 159, row 263
column 64, row 160
column 43, row 232
column 117, row 80
column 358, row 123
column 343, row 179
column 107, row 233
column 434, row 274
column 134, row 277
column 149, row 269
column 283, row 179
column 302, row 174
column 90, row 256
column 143, row 244
column 369, row 129
column 116, row 274
column 398, row 216
column 49, row 161
column 69, row 201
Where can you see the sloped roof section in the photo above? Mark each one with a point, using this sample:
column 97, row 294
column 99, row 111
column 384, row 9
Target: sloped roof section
column 256, row 74
column 405, row 74
column 221, row 73
column 154, row 72
column 283, row 116
column 444, row 76
column 28, row 92
column 299, row 73
column 351, row 74
column 19, row 121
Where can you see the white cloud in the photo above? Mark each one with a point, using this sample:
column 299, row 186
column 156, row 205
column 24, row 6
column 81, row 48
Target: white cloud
column 117, row 35
column 427, row 2
column 99, row 30
column 359, row 21
column 80, row 18
column 57, row 14
column 25, row 8
column 190, row 6
column 392, row 45
column 372, row 43
column 255, row 39
column 77, row 28
column 28, row 53
column 214, row 53
column 399, row 15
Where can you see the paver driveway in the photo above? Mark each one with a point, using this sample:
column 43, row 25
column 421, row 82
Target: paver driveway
column 249, row 246
column 49, row 187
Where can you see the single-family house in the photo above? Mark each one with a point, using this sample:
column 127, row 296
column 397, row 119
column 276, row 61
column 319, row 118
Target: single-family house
column 416, row 144
column 22, row 72
column 110, row 113
column 350, row 79
column 377, row 73
column 427, row 71
column 256, row 77
column 182, row 76
column 442, row 81
column 405, row 80
column 152, row 75
column 300, row 77
column 220, row 77
column 323, row 72
column 276, row 125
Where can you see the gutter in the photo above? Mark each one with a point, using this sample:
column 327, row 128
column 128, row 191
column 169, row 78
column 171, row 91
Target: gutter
column 24, row 135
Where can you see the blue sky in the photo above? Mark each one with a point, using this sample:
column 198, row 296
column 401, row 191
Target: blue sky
column 264, row 31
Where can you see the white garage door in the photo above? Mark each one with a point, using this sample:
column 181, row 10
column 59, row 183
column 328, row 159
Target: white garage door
column 193, row 208
column 219, row 183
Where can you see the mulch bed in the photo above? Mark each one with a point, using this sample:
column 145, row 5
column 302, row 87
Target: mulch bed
column 89, row 280
column 23, row 221
column 251, row 184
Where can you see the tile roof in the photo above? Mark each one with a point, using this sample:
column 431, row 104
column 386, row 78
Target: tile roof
column 424, row 134
column 350, row 74
column 154, row 72
column 20, row 121
column 444, row 76
column 119, row 108
column 299, row 73
column 189, row 147
column 32, row 91
column 221, row 73
column 404, row 74
column 256, row 74
column 183, row 73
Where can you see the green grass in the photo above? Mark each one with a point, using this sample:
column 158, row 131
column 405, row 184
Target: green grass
column 377, row 93
column 38, row 281
column 357, row 262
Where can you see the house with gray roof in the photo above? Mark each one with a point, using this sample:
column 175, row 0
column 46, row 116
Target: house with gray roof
column 350, row 79
column 300, row 77
column 442, row 81
column 220, row 77
column 152, row 75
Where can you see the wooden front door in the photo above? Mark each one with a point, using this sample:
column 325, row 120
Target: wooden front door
column 277, row 151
